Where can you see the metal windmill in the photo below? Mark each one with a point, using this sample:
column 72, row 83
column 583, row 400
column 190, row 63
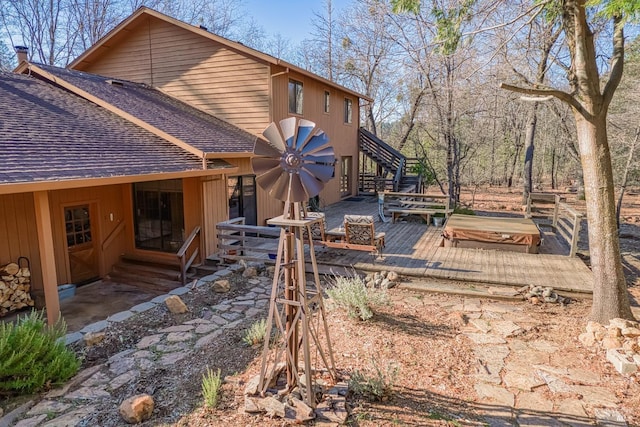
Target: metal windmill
column 294, row 166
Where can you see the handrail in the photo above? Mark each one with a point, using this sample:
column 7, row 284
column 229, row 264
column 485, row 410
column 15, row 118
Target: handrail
column 186, row 264
column 112, row 236
column 398, row 177
column 381, row 143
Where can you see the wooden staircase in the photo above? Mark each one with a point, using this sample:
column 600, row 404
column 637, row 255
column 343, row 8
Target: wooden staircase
column 147, row 274
column 386, row 168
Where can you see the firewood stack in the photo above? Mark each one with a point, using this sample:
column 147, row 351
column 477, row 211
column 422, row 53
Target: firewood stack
column 15, row 287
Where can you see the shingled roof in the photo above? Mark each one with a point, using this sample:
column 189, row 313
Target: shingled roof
column 48, row 134
column 190, row 125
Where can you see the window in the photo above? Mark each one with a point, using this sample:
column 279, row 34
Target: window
column 348, row 110
column 295, row 97
column 326, row 101
column 78, row 225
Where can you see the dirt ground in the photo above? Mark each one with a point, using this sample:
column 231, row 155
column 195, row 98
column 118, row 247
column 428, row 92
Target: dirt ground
column 414, row 332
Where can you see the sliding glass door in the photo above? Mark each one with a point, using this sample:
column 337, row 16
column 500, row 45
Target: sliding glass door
column 159, row 215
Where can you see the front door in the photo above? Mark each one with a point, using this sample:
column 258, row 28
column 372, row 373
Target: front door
column 82, row 254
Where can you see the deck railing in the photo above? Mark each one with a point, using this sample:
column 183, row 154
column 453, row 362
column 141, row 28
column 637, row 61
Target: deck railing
column 237, row 240
column 185, row 263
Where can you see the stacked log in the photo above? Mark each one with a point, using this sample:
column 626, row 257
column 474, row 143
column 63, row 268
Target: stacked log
column 15, row 287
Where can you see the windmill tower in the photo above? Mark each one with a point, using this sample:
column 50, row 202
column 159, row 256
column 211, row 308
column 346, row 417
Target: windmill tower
column 293, row 166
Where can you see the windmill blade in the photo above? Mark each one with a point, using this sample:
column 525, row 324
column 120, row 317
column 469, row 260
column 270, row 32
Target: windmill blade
column 316, row 142
column 305, row 127
column 327, row 159
column 327, row 151
column 263, row 165
column 310, row 183
column 288, row 127
column 280, row 189
column 263, row 148
column 298, row 193
column 268, row 180
column 322, row 172
column 273, row 136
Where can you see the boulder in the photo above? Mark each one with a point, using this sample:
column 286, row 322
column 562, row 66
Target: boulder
column 393, row 276
column 609, row 343
column 631, row 332
column 137, row 408
column 221, row 286
column 175, row 305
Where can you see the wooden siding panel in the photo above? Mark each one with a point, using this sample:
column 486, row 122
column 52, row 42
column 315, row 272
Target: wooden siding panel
column 215, row 211
column 194, row 69
column 343, row 137
column 18, row 233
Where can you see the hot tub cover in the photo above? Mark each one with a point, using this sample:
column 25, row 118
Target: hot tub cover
column 521, row 231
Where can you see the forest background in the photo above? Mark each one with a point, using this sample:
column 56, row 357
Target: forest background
column 434, row 101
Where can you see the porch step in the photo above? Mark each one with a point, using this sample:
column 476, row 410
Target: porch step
column 147, row 273
column 147, row 270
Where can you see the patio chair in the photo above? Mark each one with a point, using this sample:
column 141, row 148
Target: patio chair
column 359, row 230
column 318, row 228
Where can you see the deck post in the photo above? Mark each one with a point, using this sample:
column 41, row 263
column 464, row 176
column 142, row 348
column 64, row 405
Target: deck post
column 47, row 256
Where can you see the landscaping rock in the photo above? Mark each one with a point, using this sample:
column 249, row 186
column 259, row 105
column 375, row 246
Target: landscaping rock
column 221, row 286
column 250, row 272
column 176, row 305
column 137, row 408
column 93, row 338
column 303, row 411
column 620, row 361
column 272, row 406
column 393, row 276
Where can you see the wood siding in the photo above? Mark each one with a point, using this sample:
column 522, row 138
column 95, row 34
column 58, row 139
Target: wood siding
column 214, row 192
column 192, row 68
column 18, row 233
column 343, row 137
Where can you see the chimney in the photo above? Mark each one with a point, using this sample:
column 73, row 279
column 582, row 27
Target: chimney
column 21, row 51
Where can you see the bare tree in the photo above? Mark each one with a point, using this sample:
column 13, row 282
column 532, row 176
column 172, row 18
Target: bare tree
column 589, row 101
column 39, row 25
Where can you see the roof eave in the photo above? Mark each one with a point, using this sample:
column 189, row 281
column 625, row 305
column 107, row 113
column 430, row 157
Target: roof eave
column 63, row 184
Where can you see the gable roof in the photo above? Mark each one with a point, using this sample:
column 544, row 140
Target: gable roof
column 188, row 127
column 103, row 45
column 51, row 138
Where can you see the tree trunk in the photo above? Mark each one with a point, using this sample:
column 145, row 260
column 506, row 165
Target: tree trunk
column 528, row 152
column 610, row 298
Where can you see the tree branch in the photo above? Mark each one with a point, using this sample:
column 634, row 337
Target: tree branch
column 617, row 61
column 562, row 96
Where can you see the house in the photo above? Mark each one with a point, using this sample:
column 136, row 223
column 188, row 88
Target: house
column 238, row 84
column 86, row 178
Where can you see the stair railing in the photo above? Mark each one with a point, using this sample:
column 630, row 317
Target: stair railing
column 182, row 254
column 387, row 156
column 398, row 176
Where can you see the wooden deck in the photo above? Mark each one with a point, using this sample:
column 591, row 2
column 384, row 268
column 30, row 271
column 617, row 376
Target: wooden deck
column 413, row 249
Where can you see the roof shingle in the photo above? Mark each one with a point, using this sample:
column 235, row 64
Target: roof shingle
column 192, row 126
column 49, row 134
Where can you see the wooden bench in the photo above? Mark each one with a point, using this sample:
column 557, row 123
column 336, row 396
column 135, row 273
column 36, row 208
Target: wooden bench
column 423, row 205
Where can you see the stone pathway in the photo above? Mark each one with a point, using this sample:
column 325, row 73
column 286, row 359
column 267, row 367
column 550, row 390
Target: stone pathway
column 69, row 405
column 520, row 382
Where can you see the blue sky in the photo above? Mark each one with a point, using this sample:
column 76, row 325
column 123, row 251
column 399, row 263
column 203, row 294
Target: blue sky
column 291, row 18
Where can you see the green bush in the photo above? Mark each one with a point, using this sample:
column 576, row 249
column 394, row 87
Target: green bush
column 352, row 294
column 32, row 355
column 376, row 384
column 463, row 211
column 256, row 333
column 211, row 383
